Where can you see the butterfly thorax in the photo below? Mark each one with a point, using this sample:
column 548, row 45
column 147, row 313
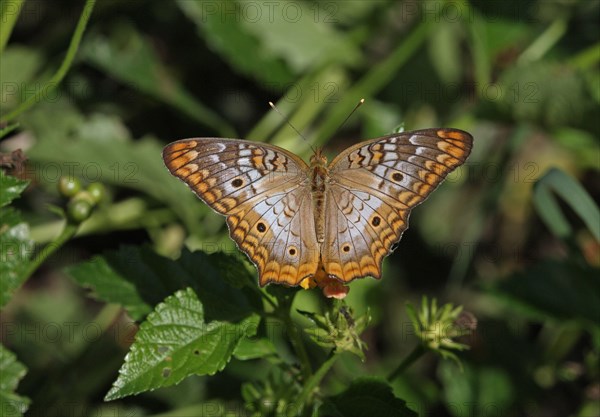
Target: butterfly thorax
column 319, row 178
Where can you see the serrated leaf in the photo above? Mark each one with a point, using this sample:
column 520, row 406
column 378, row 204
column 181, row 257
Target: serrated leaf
column 11, row 372
column 15, row 245
column 10, row 188
column 138, row 279
column 366, row 397
column 175, row 342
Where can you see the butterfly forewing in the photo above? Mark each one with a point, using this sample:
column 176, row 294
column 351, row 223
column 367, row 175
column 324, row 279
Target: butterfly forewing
column 262, row 191
column 374, row 185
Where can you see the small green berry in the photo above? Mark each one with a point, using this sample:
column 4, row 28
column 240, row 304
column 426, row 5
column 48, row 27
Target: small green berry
column 86, row 196
column 79, row 210
column 97, row 191
column 68, row 186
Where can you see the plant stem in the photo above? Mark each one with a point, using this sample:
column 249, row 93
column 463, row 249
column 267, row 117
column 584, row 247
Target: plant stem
column 587, row 58
column 416, row 353
column 5, row 130
column 9, row 13
column 298, row 345
column 67, row 233
column 266, row 297
column 314, row 380
column 64, row 67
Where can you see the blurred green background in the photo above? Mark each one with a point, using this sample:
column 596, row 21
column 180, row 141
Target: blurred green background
column 505, row 236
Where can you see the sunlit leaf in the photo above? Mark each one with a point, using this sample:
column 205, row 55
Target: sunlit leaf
column 176, row 341
column 16, row 247
column 11, row 372
column 10, row 188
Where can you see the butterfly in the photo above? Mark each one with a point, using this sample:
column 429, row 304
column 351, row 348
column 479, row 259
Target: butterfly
column 318, row 223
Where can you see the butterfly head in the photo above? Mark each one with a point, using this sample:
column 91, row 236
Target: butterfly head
column 318, row 159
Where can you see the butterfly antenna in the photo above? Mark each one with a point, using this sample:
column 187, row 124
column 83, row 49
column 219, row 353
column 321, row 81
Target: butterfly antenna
column 290, row 124
column 360, row 103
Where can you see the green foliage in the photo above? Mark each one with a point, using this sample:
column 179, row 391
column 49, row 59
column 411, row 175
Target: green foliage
column 174, row 319
column 10, row 188
column 437, row 327
column 176, row 341
column 575, row 196
column 339, row 330
column 561, row 290
column 137, row 278
column 478, row 391
column 16, row 245
column 366, row 396
column 11, row 372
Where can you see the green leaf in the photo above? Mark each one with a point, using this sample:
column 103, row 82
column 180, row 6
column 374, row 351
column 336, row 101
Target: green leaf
column 302, row 38
column 10, row 188
column 11, row 372
column 476, row 391
column 573, row 194
column 228, row 37
column 271, row 42
column 130, row 58
column 562, row 290
column 138, row 279
column 541, row 92
column 111, row 284
column 18, row 66
column 99, row 148
column 366, row 397
column 254, row 348
column 582, row 145
column 15, row 245
column 444, row 48
column 176, row 341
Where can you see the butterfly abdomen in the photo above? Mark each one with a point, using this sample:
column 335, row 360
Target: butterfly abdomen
column 318, row 183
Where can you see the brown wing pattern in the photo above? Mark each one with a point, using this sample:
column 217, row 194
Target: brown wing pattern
column 263, row 192
column 374, row 186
